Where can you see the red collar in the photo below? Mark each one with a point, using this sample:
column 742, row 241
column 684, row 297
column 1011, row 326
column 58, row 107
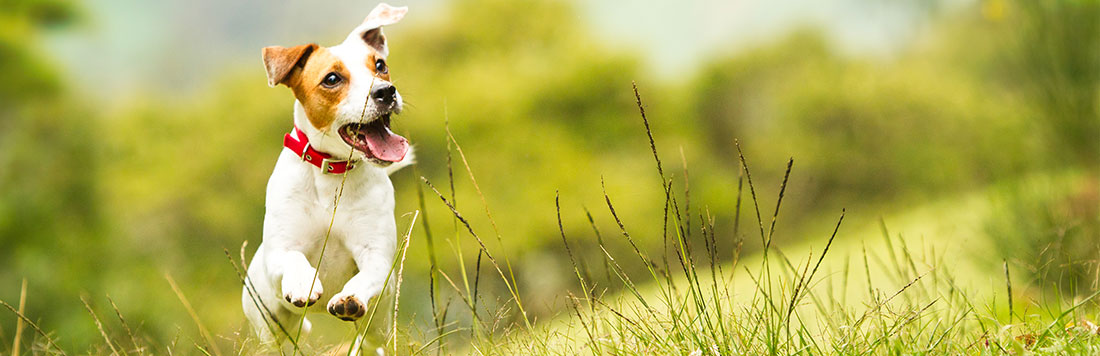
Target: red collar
column 298, row 143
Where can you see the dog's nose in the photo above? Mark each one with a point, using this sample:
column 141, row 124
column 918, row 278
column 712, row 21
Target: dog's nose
column 384, row 94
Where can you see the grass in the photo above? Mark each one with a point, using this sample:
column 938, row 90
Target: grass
column 874, row 293
column 868, row 290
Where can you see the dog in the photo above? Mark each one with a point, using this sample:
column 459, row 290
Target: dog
column 330, row 190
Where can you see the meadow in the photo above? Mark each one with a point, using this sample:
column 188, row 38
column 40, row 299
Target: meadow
column 787, row 198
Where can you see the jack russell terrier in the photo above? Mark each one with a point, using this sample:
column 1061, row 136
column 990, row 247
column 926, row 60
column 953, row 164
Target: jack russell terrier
column 341, row 144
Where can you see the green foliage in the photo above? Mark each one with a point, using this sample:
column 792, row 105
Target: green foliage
column 1052, row 228
column 27, row 74
column 864, row 131
column 49, row 196
column 1054, row 60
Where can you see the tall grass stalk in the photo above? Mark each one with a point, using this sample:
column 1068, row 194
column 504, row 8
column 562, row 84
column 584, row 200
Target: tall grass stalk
column 19, row 322
column 194, row 316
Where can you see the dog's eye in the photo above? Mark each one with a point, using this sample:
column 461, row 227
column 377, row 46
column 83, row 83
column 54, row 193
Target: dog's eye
column 380, row 67
column 332, row 80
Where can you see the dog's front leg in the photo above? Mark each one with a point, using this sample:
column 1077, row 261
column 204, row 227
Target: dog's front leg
column 374, row 259
column 300, row 287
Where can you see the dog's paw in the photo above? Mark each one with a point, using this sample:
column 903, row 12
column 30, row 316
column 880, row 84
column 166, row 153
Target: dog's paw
column 347, row 307
column 300, row 292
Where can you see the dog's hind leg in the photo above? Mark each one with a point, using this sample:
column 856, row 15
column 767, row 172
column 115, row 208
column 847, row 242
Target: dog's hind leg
column 291, row 321
column 259, row 319
column 272, row 321
column 275, row 326
column 272, row 325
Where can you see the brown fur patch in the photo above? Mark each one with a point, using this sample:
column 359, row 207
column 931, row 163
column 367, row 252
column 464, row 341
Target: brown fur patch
column 281, row 61
column 371, row 59
column 320, row 102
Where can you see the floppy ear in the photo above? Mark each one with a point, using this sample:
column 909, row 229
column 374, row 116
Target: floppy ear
column 374, row 38
column 281, row 61
column 385, row 15
column 370, row 31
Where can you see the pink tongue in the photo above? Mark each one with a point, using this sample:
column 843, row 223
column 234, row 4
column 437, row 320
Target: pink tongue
column 386, row 145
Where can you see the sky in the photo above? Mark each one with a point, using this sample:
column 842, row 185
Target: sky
column 174, row 46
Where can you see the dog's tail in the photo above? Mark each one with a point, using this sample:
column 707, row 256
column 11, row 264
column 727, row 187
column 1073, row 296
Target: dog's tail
column 410, row 159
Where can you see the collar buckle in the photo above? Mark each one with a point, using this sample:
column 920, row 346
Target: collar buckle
column 327, row 166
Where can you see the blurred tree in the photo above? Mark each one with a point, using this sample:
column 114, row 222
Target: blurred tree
column 1049, row 53
column 732, row 92
column 50, row 223
column 862, row 131
column 25, row 72
column 1053, row 52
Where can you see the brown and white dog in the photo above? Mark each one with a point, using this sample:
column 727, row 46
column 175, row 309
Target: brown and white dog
column 341, row 142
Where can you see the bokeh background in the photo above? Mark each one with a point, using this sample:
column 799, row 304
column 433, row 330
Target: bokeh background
column 136, row 137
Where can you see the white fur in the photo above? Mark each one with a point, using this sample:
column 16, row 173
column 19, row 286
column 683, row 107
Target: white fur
column 301, row 203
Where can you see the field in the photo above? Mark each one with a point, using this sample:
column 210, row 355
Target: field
column 788, row 197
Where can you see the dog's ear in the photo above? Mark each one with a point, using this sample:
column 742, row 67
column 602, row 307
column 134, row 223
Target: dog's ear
column 281, row 61
column 385, row 15
column 370, row 32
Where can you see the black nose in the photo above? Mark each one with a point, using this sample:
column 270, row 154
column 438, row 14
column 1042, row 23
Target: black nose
column 384, row 94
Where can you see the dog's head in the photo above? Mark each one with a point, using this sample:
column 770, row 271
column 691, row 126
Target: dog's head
column 345, row 90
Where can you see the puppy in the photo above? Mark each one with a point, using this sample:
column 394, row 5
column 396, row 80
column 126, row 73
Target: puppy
column 341, row 143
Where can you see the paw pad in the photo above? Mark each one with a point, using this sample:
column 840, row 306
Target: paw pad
column 300, row 302
column 348, row 308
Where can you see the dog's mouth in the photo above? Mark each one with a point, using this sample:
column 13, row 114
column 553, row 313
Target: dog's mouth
column 375, row 140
